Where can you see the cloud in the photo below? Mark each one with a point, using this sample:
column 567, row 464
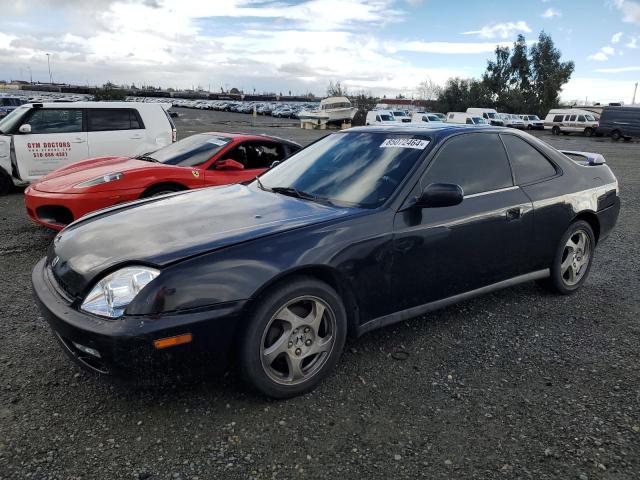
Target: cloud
column 619, row 69
column 501, row 30
column 551, row 13
column 616, row 37
column 633, row 43
column 630, row 10
column 448, row 48
column 603, row 54
column 598, row 90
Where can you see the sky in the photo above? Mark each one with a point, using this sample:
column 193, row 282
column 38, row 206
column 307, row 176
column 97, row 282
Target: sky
column 386, row 47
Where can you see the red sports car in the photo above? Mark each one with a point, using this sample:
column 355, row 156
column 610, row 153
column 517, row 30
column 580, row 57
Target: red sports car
column 202, row 160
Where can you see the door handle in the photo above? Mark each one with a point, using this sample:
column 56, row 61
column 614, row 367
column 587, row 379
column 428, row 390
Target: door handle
column 78, row 140
column 514, row 213
column 135, row 137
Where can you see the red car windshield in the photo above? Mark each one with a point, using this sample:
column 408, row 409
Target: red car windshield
column 190, row 151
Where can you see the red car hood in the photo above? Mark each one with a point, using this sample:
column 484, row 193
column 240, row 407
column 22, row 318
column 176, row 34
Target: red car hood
column 64, row 179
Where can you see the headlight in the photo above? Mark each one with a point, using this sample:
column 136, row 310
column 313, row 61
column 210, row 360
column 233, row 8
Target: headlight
column 111, row 177
column 112, row 294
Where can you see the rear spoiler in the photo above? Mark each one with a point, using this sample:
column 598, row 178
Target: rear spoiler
column 585, row 158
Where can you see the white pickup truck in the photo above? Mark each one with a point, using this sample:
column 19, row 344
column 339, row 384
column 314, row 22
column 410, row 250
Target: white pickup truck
column 38, row 138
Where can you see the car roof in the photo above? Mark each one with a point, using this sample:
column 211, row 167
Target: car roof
column 439, row 130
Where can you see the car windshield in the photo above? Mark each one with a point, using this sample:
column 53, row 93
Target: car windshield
column 478, row 121
column 491, row 115
column 433, row 118
column 399, row 114
column 533, row 117
column 360, row 169
column 386, row 118
column 190, row 151
column 11, row 121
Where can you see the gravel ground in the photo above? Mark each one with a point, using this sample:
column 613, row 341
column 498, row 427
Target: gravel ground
column 519, row 384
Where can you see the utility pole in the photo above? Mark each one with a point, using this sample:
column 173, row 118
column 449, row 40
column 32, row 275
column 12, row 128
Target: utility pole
column 635, row 89
column 30, row 76
column 49, row 66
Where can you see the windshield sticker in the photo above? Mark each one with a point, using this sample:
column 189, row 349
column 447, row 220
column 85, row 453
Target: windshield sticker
column 405, row 143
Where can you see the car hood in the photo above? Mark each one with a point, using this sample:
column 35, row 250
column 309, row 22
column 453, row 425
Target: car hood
column 64, row 179
column 163, row 230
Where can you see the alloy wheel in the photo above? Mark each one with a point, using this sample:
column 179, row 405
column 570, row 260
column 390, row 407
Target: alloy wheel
column 575, row 258
column 298, row 340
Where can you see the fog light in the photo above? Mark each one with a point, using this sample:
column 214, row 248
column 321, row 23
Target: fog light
column 89, row 350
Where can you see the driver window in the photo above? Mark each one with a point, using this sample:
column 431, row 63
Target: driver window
column 262, row 155
column 477, row 162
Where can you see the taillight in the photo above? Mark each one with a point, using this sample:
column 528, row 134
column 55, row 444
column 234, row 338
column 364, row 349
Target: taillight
column 174, row 135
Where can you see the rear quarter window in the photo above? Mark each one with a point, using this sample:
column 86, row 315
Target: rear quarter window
column 528, row 164
column 112, row 119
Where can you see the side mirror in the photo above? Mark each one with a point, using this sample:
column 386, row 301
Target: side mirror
column 275, row 163
column 26, row 128
column 229, row 164
column 440, row 195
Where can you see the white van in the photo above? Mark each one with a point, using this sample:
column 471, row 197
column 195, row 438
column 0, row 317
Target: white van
column 38, row 138
column 571, row 120
column 489, row 114
column 380, row 117
column 401, row 116
column 466, row 118
column 425, row 117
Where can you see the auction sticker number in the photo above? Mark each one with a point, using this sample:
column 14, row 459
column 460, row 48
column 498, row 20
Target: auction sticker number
column 405, row 143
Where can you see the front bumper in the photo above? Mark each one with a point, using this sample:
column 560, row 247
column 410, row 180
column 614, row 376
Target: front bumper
column 57, row 210
column 125, row 345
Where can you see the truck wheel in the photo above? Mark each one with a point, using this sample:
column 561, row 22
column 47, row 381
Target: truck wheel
column 616, row 135
column 588, row 132
column 5, row 182
column 555, row 130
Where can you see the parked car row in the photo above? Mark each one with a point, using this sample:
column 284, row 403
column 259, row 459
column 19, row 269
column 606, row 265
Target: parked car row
column 275, row 109
column 364, row 228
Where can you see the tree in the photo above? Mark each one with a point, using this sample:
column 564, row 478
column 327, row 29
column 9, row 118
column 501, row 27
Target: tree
column 498, row 73
column 364, row 102
column 110, row 92
column 335, row 89
column 234, row 91
column 548, row 73
column 428, row 90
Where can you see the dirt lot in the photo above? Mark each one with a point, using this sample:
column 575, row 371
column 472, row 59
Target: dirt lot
column 519, row 384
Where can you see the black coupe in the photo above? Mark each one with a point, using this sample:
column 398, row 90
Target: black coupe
column 363, row 228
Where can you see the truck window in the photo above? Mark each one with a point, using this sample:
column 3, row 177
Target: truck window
column 54, row 120
column 572, row 118
column 558, row 118
column 581, row 118
column 109, row 119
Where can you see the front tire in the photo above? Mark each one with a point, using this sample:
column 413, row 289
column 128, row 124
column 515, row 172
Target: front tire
column 555, row 130
column 294, row 338
column 616, row 135
column 588, row 132
column 573, row 259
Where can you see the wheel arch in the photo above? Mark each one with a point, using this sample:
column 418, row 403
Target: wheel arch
column 591, row 218
column 158, row 185
column 323, row 273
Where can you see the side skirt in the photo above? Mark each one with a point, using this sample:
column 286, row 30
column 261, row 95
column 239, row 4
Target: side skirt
column 445, row 302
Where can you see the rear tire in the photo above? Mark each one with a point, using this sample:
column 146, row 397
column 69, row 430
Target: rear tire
column 294, row 338
column 555, row 130
column 573, row 259
column 5, row 183
column 616, row 135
